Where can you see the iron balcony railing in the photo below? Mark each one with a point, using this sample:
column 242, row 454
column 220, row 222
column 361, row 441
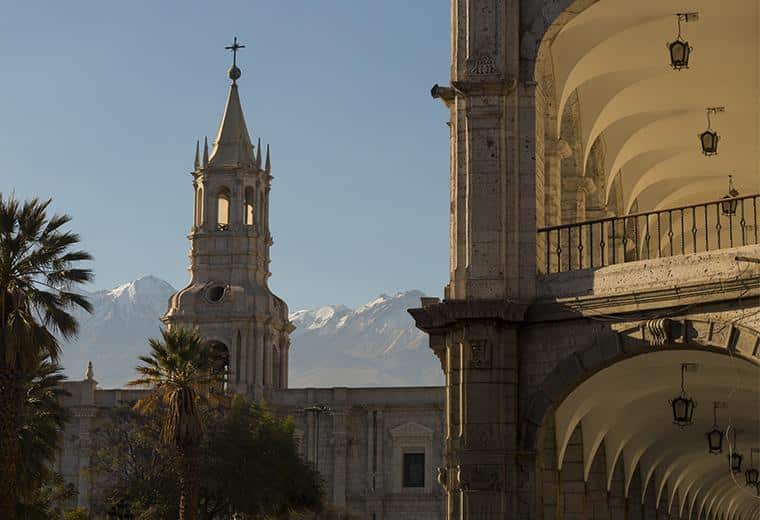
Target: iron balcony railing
column 655, row 234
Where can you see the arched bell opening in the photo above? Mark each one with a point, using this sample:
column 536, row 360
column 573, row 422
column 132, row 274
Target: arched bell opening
column 223, row 209
column 248, row 209
column 198, row 220
column 222, row 356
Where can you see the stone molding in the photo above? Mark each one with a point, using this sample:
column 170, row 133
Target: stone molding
column 700, row 293
column 435, row 316
column 411, row 437
column 411, row 429
column 645, row 337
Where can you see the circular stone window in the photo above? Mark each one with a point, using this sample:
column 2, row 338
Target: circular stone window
column 215, row 293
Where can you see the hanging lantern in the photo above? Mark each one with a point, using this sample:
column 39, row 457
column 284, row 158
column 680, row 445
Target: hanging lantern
column 752, row 475
column 715, row 436
column 735, row 461
column 709, row 138
column 729, row 202
column 715, row 441
column 734, row 458
column 683, row 405
column 679, row 49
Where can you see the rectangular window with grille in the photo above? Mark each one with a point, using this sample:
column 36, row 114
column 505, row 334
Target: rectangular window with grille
column 414, row 470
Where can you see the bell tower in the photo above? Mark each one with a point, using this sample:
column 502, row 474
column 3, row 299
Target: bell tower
column 228, row 299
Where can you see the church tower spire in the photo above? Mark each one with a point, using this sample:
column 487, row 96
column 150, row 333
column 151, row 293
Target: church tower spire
column 228, row 299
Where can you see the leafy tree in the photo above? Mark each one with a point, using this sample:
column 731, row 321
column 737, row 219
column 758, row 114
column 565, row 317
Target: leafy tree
column 249, row 465
column 37, row 274
column 42, row 418
column 253, row 466
column 45, row 502
column 180, row 370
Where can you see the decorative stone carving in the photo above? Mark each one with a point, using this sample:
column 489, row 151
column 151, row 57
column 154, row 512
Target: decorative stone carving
column 442, row 478
column 480, row 355
column 482, row 65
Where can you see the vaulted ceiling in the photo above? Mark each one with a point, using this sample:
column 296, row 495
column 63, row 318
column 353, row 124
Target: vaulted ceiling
column 630, row 416
column 614, row 55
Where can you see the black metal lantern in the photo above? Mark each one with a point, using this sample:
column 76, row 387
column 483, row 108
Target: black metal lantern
column 683, row 405
column 752, row 475
column 734, row 457
column 735, row 461
column 679, row 49
column 709, row 138
column 715, row 436
column 729, row 202
column 709, row 141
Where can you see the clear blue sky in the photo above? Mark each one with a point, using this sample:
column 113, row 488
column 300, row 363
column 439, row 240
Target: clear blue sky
column 101, row 104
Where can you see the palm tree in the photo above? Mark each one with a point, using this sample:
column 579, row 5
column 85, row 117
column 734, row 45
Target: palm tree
column 37, row 274
column 42, row 419
column 181, row 369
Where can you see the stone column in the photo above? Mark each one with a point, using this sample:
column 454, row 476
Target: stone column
column 371, row 461
column 259, row 346
column 480, row 351
column 268, row 359
column 493, row 257
column 339, row 457
column 85, row 414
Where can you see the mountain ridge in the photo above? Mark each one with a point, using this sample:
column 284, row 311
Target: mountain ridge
column 375, row 344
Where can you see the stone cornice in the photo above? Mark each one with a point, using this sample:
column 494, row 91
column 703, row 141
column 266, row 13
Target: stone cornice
column 645, row 300
column 483, row 87
column 439, row 315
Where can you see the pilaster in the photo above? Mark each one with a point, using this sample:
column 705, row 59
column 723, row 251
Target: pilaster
column 480, row 349
column 339, row 457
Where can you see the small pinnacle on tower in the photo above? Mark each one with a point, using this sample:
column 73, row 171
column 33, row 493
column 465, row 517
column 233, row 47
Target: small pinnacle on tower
column 197, row 163
column 268, row 166
column 258, row 154
column 89, row 374
column 205, row 152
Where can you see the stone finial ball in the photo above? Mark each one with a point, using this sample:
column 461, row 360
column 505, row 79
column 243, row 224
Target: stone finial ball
column 234, row 73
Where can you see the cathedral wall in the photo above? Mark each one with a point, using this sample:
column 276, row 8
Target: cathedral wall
column 365, row 439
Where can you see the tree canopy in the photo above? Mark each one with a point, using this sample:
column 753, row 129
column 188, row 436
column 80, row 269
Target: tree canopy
column 249, row 465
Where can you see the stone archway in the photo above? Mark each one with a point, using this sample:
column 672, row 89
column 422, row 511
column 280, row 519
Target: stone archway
column 673, row 334
column 223, row 351
column 584, row 449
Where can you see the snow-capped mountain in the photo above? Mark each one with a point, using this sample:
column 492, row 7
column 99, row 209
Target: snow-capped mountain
column 375, row 344
column 116, row 333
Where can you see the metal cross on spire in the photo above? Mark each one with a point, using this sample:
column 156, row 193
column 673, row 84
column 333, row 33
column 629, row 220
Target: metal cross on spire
column 234, row 72
column 234, row 48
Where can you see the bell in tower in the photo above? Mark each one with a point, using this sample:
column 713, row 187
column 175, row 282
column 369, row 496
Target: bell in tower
column 228, row 299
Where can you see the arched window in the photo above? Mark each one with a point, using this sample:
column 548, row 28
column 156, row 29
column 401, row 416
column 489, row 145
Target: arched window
column 223, row 210
column 249, row 198
column 199, row 206
column 223, row 356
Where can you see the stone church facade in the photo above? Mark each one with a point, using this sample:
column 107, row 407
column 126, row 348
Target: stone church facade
column 377, row 449
column 603, row 266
